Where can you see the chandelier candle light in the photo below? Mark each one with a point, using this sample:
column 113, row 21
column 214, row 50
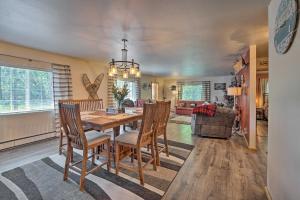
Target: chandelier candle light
column 124, row 66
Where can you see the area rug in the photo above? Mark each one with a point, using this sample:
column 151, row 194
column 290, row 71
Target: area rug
column 43, row 179
column 181, row 119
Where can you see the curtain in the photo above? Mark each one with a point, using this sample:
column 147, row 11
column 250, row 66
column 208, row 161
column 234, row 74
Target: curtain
column 110, row 97
column 62, row 88
column 205, row 91
column 261, row 92
column 138, row 88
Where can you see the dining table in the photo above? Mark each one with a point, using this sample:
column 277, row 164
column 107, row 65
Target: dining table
column 101, row 120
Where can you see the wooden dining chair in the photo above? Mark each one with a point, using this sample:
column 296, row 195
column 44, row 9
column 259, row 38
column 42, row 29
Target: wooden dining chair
column 84, row 105
column 76, row 138
column 130, row 143
column 161, row 120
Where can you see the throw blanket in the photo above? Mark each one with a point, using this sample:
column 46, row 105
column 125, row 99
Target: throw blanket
column 206, row 109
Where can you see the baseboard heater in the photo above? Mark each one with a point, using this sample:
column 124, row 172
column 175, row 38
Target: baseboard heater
column 25, row 140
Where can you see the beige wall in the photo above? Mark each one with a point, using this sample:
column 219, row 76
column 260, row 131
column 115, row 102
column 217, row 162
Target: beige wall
column 29, row 124
column 78, row 66
column 146, row 93
column 283, row 179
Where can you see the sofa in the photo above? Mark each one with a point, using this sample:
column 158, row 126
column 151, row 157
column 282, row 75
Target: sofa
column 218, row 126
column 184, row 107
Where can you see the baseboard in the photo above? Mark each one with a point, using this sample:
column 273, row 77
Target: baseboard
column 268, row 193
column 26, row 140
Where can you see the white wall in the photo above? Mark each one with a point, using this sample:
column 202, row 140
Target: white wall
column 29, row 124
column 284, row 106
column 214, row 79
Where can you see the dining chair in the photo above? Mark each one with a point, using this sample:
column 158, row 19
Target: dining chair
column 129, row 103
column 77, row 139
column 131, row 143
column 84, row 105
column 161, row 119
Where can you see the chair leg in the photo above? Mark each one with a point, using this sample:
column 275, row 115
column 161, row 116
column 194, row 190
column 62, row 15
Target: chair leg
column 124, row 127
column 166, row 143
column 132, row 155
column 72, row 155
column 93, row 156
column 67, row 163
column 60, row 143
column 108, row 155
column 139, row 158
column 156, row 153
column 117, row 155
column 153, row 156
column 83, row 170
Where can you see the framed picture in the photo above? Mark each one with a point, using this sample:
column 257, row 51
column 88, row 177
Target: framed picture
column 220, row 86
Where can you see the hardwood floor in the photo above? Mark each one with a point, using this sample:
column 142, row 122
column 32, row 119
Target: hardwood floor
column 216, row 169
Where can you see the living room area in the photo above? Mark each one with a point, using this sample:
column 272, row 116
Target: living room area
column 149, row 99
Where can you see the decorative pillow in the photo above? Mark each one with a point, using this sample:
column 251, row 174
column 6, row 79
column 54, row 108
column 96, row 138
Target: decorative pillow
column 192, row 105
column 181, row 104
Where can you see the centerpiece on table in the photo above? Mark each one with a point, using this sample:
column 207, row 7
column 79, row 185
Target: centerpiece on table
column 120, row 94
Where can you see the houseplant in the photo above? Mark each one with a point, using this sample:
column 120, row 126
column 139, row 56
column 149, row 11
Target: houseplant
column 120, row 94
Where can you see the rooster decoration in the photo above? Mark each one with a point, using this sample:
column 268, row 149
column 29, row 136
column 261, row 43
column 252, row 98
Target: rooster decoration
column 92, row 88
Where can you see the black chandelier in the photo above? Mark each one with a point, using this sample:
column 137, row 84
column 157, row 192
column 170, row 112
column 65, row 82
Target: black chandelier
column 124, row 66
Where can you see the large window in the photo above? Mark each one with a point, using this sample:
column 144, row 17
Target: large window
column 131, row 86
column 25, row 90
column 192, row 92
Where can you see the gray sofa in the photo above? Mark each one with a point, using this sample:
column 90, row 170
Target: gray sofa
column 219, row 126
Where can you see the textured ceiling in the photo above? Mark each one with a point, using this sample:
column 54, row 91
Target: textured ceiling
column 167, row 37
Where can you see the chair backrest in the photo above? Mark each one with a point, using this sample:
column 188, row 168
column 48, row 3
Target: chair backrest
column 71, row 123
column 146, row 133
column 140, row 102
column 162, row 115
column 128, row 103
column 85, row 104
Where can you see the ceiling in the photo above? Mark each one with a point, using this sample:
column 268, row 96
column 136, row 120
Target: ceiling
column 179, row 38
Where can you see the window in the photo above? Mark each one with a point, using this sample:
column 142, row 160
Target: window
column 154, row 87
column 131, row 87
column 25, row 90
column 192, row 92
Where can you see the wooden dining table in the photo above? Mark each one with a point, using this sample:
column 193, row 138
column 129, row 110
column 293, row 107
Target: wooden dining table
column 101, row 121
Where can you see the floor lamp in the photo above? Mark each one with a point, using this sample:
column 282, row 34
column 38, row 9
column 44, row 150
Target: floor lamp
column 235, row 91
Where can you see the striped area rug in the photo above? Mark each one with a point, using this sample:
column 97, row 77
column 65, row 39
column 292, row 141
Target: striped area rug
column 43, row 179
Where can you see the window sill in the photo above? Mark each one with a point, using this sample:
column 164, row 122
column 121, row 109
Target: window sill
column 26, row 112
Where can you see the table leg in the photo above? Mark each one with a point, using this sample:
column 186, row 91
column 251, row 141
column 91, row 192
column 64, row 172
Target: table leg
column 116, row 131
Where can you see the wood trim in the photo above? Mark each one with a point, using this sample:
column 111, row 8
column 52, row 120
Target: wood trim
column 268, row 194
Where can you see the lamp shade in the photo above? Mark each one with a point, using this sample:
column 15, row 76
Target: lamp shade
column 234, row 91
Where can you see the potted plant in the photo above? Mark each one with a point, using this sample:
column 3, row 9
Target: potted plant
column 120, row 94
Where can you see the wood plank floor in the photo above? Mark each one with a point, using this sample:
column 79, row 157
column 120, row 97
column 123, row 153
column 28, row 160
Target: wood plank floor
column 216, row 169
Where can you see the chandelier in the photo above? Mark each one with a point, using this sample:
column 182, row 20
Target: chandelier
column 125, row 67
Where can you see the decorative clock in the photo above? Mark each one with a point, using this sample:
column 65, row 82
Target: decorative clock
column 285, row 25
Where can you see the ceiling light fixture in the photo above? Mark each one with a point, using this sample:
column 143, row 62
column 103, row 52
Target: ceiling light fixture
column 124, row 66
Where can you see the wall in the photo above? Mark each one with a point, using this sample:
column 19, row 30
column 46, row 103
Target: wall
column 28, row 124
column 147, row 93
column 214, row 93
column 283, row 179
